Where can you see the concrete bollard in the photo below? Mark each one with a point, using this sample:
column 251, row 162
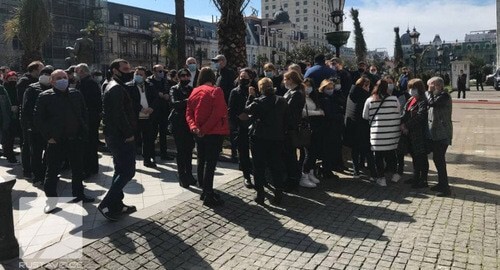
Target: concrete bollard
column 9, row 247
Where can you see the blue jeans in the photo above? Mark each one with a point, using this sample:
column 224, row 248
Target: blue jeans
column 124, row 162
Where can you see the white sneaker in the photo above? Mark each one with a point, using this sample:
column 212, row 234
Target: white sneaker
column 312, row 177
column 381, row 182
column 49, row 207
column 396, row 177
column 305, row 182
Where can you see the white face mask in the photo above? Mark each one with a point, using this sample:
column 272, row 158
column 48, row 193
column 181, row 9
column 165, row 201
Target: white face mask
column 390, row 88
column 309, row 90
column 414, row 92
column 338, row 87
column 44, row 80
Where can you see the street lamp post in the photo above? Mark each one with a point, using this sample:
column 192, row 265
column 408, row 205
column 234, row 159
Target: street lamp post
column 414, row 35
column 337, row 38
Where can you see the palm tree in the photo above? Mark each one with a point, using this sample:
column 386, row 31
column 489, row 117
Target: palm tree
column 232, row 31
column 398, row 49
column 181, row 32
column 32, row 25
column 360, row 44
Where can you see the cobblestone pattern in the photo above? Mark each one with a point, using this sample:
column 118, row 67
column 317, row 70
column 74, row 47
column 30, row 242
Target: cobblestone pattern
column 349, row 224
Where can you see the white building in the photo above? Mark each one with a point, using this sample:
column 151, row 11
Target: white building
column 312, row 17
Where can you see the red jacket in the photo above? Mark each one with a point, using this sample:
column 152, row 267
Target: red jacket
column 207, row 111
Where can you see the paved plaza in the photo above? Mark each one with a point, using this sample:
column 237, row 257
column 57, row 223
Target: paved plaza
column 345, row 224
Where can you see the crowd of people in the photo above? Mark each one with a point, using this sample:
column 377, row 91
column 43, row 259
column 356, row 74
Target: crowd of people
column 289, row 129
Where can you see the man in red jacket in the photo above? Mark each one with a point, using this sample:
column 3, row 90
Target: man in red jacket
column 206, row 115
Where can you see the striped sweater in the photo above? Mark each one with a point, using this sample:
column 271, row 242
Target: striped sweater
column 385, row 127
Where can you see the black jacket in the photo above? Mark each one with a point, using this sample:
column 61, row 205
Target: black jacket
column 23, row 84
column 178, row 98
column 225, row 80
column 12, row 91
column 151, row 96
column 269, row 116
column 93, row 98
column 61, row 115
column 296, row 101
column 236, row 106
column 161, row 86
column 119, row 117
column 357, row 129
column 28, row 105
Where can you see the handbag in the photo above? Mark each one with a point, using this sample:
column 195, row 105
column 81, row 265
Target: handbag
column 301, row 137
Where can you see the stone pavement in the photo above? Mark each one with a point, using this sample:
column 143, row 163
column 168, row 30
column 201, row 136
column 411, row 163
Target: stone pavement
column 349, row 224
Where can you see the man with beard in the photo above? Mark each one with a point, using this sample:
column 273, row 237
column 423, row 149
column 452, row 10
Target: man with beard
column 37, row 142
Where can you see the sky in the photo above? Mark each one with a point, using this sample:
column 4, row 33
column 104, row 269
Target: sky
column 451, row 19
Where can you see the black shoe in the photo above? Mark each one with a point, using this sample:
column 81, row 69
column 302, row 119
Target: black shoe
column 111, row 216
column 149, row 164
column 128, row 209
column 202, row 196
column 212, row 201
column 328, row 174
column 248, row 183
column 438, row 188
column 420, row 185
column 12, row 160
column 184, row 181
column 84, row 199
column 278, row 197
column 259, row 199
column 444, row 193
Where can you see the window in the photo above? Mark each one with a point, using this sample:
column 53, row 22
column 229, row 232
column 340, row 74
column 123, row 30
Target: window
column 126, row 20
column 305, row 19
column 297, row 20
column 305, row 27
column 305, row 3
column 135, row 22
column 266, row 8
column 297, row 11
column 124, row 46
column 297, row 3
column 109, row 45
column 135, row 48
column 274, row 6
column 285, row 5
column 305, row 10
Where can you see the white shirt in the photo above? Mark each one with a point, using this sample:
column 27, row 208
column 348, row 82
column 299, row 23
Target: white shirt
column 144, row 102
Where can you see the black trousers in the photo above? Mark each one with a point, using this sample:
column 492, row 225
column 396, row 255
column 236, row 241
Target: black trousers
column 332, row 147
column 420, row 167
column 312, row 152
column 184, row 142
column 359, row 154
column 461, row 91
column 38, row 164
column 385, row 161
column 267, row 154
column 292, row 164
column 145, row 138
column 124, row 164
column 26, row 151
column 479, row 83
column 208, row 148
column 243, row 143
column 439, row 157
column 91, row 158
column 55, row 154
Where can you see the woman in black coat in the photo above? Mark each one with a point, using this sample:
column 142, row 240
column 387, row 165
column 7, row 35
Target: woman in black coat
column 184, row 140
column 357, row 132
column 239, row 121
column 414, row 127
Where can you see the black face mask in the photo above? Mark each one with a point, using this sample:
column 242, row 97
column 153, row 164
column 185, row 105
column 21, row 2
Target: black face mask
column 361, row 70
column 184, row 83
column 125, row 77
column 244, row 82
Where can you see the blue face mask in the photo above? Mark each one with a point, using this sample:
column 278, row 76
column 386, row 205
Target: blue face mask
column 329, row 92
column 192, row 67
column 138, row 79
column 216, row 65
column 161, row 75
column 61, row 84
column 269, row 74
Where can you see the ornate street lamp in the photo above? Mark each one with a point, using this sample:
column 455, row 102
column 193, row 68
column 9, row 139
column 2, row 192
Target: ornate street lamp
column 414, row 35
column 337, row 38
column 440, row 51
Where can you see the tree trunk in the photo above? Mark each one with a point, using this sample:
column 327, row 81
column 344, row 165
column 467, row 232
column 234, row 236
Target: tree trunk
column 30, row 56
column 232, row 33
column 181, row 33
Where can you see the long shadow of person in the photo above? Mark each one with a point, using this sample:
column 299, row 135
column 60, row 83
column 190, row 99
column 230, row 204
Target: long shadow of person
column 262, row 224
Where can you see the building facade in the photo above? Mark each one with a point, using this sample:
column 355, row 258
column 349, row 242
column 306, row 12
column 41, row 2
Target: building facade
column 311, row 16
